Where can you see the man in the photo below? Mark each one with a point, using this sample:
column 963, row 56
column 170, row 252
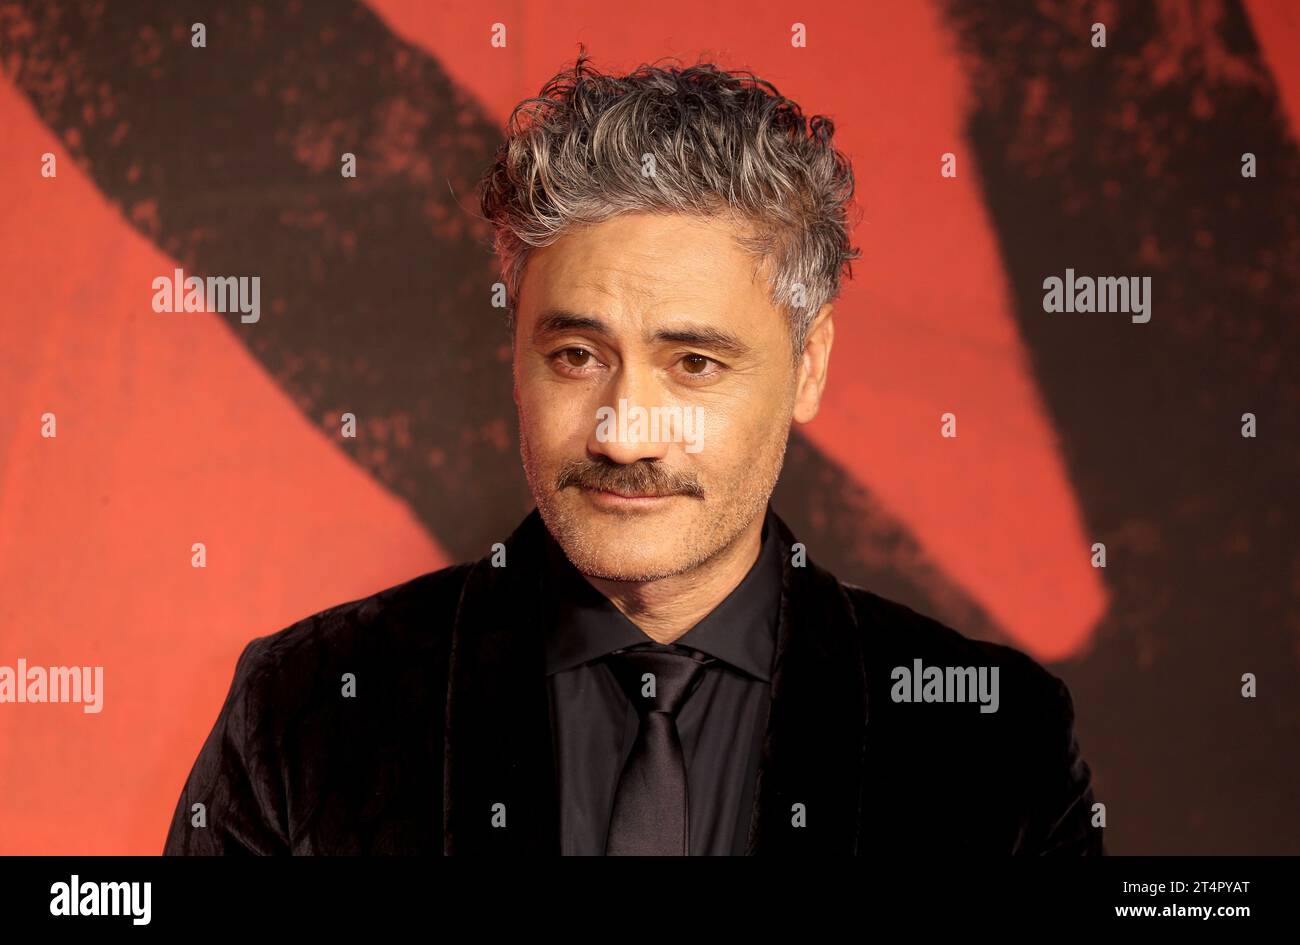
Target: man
column 651, row 664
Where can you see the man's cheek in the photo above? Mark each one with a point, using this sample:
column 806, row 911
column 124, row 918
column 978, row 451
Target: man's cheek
column 546, row 416
column 726, row 431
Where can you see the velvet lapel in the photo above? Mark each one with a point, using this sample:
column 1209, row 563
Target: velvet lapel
column 498, row 741
column 808, row 797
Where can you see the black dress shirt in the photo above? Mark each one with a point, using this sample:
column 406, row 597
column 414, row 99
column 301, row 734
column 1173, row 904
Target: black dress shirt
column 721, row 724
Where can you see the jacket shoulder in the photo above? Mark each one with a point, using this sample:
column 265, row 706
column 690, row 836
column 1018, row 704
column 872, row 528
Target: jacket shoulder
column 411, row 615
column 896, row 634
column 317, row 715
column 1025, row 787
column 397, row 638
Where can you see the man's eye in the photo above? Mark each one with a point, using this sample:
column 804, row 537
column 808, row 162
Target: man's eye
column 576, row 357
column 696, row 364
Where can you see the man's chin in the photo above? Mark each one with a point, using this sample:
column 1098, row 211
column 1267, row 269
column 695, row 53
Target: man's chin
column 626, row 564
column 622, row 554
column 625, row 540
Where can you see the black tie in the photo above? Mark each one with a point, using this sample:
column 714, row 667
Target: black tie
column 650, row 806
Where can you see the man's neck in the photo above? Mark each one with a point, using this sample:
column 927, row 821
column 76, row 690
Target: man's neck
column 665, row 609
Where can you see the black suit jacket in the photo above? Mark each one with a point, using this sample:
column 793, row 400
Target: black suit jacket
column 446, row 745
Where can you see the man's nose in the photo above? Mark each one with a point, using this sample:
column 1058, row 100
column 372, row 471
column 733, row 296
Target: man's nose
column 633, row 422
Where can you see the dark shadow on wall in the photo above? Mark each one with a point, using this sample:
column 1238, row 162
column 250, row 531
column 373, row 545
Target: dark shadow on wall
column 1124, row 161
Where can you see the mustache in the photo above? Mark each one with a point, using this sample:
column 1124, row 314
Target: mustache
column 639, row 478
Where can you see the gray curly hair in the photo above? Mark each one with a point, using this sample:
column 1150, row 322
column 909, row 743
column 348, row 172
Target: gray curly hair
column 714, row 142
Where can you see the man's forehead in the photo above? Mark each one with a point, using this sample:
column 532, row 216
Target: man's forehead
column 637, row 249
column 617, row 274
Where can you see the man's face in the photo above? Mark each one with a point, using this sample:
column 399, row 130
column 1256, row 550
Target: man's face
column 640, row 322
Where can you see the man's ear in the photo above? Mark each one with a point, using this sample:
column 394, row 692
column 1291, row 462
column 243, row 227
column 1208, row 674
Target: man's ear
column 814, row 365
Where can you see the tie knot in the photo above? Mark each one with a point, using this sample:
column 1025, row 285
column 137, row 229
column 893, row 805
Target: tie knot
column 656, row 678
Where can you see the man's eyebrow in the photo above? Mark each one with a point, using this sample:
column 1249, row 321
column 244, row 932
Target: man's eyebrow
column 558, row 321
column 703, row 336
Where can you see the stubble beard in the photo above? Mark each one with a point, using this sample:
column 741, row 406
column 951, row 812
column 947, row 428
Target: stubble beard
column 716, row 525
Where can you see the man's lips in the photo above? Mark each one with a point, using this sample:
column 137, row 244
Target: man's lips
column 607, row 495
column 628, row 495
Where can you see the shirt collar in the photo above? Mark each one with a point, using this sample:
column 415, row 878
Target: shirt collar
column 583, row 624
